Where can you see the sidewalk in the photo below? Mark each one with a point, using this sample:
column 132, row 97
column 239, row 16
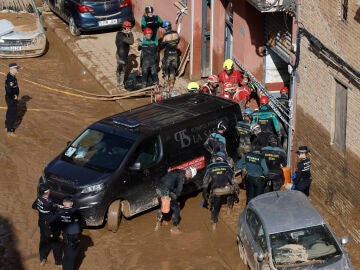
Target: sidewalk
column 96, row 51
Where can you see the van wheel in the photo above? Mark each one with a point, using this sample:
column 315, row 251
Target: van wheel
column 74, row 30
column 114, row 216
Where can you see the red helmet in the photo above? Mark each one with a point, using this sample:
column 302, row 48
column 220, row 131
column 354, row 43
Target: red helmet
column 228, row 87
column 284, row 90
column 213, row 79
column 148, row 30
column 264, row 100
column 126, row 24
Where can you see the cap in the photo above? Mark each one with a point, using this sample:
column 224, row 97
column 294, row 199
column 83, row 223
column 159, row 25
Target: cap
column 14, row 65
column 303, row 149
column 220, row 154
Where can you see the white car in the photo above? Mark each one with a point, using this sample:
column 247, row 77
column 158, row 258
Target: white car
column 283, row 230
column 21, row 31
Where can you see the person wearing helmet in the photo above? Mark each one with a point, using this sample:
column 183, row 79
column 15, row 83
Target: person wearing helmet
column 242, row 96
column 172, row 185
column 275, row 159
column 170, row 61
column 284, row 97
column 255, row 165
column 211, row 87
column 193, row 87
column 216, row 142
column 219, row 182
column 266, row 118
column 229, row 74
column 227, row 92
column 258, row 136
column 148, row 58
column 244, row 131
column 149, row 19
column 124, row 38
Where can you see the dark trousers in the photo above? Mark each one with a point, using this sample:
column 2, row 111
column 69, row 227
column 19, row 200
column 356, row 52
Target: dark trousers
column 71, row 242
column 10, row 114
column 174, row 209
column 276, row 180
column 49, row 241
column 304, row 186
column 255, row 186
column 170, row 65
column 149, row 75
column 216, row 201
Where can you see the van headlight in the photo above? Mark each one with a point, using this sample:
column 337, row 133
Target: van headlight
column 93, row 189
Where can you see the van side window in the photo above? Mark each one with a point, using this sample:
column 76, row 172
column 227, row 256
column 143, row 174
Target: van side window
column 148, row 152
column 256, row 229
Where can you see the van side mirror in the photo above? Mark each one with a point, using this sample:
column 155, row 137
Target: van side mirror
column 259, row 257
column 135, row 167
column 344, row 240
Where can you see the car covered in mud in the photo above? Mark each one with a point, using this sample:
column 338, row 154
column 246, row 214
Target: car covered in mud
column 283, row 230
column 90, row 15
column 21, row 30
column 112, row 168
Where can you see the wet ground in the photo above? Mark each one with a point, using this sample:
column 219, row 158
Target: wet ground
column 50, row 116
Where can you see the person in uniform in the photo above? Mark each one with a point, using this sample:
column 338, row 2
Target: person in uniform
column 230, row 74
column 148, row 58
column 171, row 185
column 71, row 224
column 124, row 39
column 244, row 130
column 49, row 236
column 170, row 61
column 258, row 136
column 216, row 142
column 275, row 159
column 152, row 21
column 211, row 87
column 219, row 182
column 255, row 164
column 302, row 177
column 11, row 98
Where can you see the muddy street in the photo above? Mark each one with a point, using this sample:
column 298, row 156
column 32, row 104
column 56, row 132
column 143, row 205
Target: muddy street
column 51, row 115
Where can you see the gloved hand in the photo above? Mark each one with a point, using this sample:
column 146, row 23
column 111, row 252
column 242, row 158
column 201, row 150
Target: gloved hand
column 293, row 187
column 293, row 176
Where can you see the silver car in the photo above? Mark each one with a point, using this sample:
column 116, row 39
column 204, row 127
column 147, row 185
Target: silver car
column 21, row 30
column 283, row 230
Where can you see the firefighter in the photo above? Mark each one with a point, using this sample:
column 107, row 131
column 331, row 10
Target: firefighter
column 124, row 39
column 148, row 58
column 216, row 142
column 227, row 92
column 193, row 87
column 302, row 177
column 172, row 185
column 284, row 97
column 229, row 74
column 170, row 61
column 242, row 96
column 255, row 165
column 275, row 159
column 266, row 118
column 71, row 223
column 49, row 236
column 152, row 21
column 244, row 130
column 219, row 182
column 211, row 87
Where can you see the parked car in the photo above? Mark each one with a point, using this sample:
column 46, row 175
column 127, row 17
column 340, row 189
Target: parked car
column 89, row 15
column 21, row 30
column 113, row 166
column 283, row 230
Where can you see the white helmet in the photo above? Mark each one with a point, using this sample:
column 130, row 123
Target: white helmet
column 193, row 171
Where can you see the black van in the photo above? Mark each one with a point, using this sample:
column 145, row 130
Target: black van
column 112, row 167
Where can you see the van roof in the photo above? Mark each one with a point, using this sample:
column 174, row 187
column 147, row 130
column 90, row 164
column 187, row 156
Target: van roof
column 285, row 211
column 169, row 112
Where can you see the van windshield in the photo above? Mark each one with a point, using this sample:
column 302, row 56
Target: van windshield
column 97, row 150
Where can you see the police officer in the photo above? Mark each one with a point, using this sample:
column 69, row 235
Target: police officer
column 172, row 185
column 11, row 98
column 148, row 58
column 255, row 165
column 302, row 176
column 170, row 61
column 244, row 130
column 216, row 142
column 152, row 21
column 258, row 136
column 124, row 39
column 266, row 118
column 275, row 159
column 49, row 236
column 71, row 223
column 219, row 181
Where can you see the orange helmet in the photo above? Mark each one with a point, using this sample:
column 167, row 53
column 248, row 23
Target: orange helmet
column 284, row 90
column 264, row 100
column 213, row 79
column 148, row 30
